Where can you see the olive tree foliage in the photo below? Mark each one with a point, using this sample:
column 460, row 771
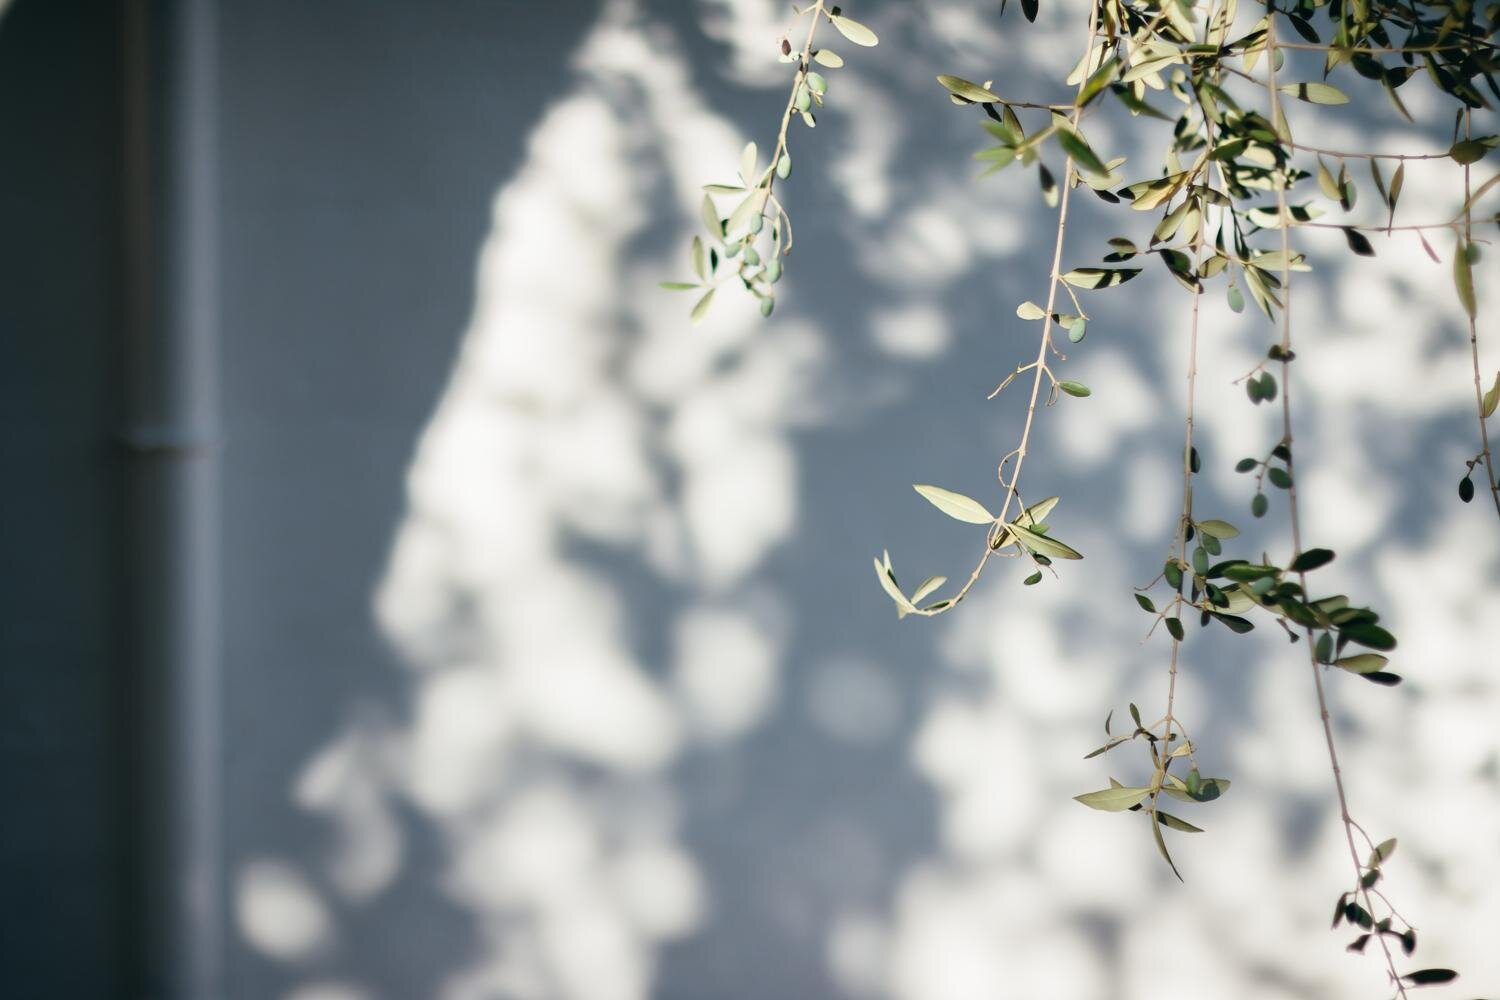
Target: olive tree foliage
column 1220, row 211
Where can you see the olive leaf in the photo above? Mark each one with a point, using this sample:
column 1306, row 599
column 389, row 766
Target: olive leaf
column 701, row 308
column 1099, row 277
column 1113, row 799
column 853, row 30
column 955, row 505
column 1315, row 93
column 1042, row 544
column 969, row 91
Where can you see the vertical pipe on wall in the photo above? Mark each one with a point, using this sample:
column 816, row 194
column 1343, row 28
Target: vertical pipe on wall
column 172, row 440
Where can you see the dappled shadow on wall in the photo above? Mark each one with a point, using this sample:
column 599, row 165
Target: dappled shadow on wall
column 576, row 585
column 665, row 753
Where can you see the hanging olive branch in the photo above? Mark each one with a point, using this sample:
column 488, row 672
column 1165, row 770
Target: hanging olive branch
column 1222, row 208
column 1361, row 915
column 1186, row 528
column 737, row 235
column 1193, row 788
column 1028, row 531
column 1253, row 156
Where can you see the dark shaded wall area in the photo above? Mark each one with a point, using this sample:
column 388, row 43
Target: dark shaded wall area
column 351, row 205
column 61, row 840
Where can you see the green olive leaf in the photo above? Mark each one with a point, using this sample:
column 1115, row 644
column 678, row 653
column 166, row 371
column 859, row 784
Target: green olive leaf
column 701, row 308
column 955, row 505
column 854, row 31
column 969, row 91
column 1042, row 544
column 1113, row 799
column 1315, row 93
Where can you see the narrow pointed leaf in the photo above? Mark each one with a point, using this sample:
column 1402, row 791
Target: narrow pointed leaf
column 711, row 218
column 1463, row 281
column 1106, row 748
column 1181, row 825
column 1113, row 799
column 955, row 505
column 700, row 259
column 1161, row 845
column 968, row 90
column 1099, row 277
column 888, row 581
column 1315, row 93
column 1043, row 544
column 927, row 586
column 749, row 160
column 701, row 308
column 1083, row 155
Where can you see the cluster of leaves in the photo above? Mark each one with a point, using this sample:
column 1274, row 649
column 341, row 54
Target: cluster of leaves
column 1220, row 590
column 1027, row 535
column 1349, row 909
column 1220, row 601
column 1386, row 40
column 1275, row 468
column 1232, row 185
column 737, row 236
column 1224, row 181
column 1192, row 787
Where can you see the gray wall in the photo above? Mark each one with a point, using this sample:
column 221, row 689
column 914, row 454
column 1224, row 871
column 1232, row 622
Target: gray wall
column 906, row 775
column 361, row 145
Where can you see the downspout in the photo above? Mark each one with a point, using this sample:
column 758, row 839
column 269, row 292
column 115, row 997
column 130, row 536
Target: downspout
column 171, row 437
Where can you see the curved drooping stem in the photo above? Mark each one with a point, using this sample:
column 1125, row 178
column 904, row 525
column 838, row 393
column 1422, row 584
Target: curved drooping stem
column 1039, row 365
column 1278, row 122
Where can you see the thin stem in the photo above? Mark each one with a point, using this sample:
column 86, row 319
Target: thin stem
column 791, row 101
column 1034, row 106
column 1372, row 49
column 1187, row 503
column 1366, row 228
column 1484, row 433
column 1053, row 282
column 1278, row 123
column 1387, row 901
column 1186, row 518
column 1347, row 155
column 1074, row 296
column 1461, row 38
